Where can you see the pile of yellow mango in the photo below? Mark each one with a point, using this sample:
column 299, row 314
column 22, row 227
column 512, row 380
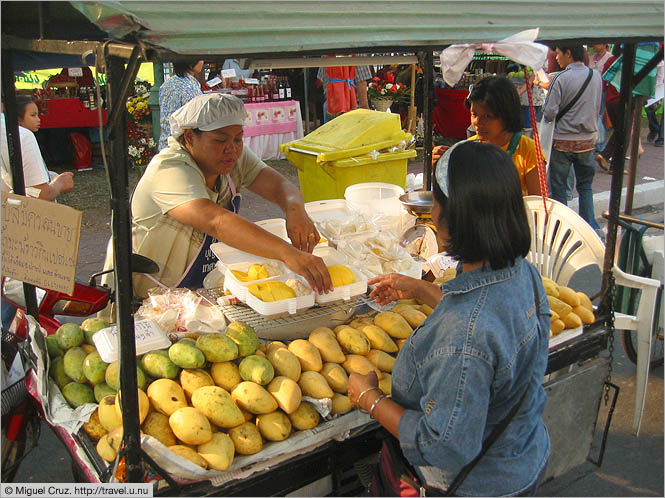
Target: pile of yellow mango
column 570, row 309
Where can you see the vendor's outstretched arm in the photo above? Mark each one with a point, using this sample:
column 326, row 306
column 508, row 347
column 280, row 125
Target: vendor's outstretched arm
column 274, row 187
column 236, row 231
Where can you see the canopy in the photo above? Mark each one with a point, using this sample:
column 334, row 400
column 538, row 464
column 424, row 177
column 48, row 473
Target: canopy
column 302, row 26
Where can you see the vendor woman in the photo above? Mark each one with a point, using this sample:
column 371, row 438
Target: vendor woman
column 189, row 197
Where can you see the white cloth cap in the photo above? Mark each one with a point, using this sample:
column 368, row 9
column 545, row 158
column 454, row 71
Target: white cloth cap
column 208, row 112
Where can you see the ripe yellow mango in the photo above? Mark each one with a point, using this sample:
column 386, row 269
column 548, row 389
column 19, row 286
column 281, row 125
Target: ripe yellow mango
column 356, row 363
column 426, row 309
column 572, row 320
column 585, row 301
column 226, row 375
column 157, row 425
column 341, row 275
column 308, row 355
column 381, row 360
column 144, row 405
column 305, row 417
column 269, row 292
column 325, row 341
column 193, row 378
column 378, row 339
column 556, row 327
column 413, row 317
column 314, row 385
column 551, row 287
column 246, row 439
column 189, row 454
column 386, row 383
column 394, row 324
column 257, row 272
column 284, row 362
column 286, row 392
column 105, row 450
column 340, row 404
column 216, row 404
column 253, row 398
column 166, row 396
column 353, row 340
column 569, row 296
column 335, row 376
column 190, row 426
column 218, row 451
column 360, row 322
column 561, row 308
column 585, row 314
column 274, row 426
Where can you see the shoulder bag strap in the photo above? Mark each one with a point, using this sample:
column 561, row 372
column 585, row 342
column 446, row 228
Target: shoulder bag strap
column 514, row 142
column 498, row 430
column 577, row 97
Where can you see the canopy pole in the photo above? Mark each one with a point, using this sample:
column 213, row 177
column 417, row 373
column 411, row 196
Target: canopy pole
column 616, row 167
column 305, row 78
column 122, row 249
column 428, row 79
column 636, row 119
column 16, row 158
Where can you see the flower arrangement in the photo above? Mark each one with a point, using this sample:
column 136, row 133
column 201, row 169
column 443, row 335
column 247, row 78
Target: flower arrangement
column 140, row 147
column 137, row 104
column 387, row 88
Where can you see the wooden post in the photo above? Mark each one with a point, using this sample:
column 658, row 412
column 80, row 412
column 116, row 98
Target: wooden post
column 412, row 115
column 638, row 104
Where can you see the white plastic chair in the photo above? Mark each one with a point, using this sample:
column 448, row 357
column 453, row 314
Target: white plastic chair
column 563, row 243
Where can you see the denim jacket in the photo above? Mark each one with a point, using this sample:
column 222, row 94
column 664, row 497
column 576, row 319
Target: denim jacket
column 461, row 372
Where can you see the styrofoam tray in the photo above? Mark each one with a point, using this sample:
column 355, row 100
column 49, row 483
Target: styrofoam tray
column 333, row 210
column 279, row 308
column 566, row 335
column 148, row 336
column 239, row 288
column 345, row 292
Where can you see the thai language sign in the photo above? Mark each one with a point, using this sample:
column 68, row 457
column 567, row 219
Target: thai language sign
column 40, row 242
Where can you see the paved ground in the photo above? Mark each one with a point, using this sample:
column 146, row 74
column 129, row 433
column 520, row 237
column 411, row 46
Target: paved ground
column 633, row 466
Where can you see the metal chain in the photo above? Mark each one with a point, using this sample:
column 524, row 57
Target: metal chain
column 610, row 347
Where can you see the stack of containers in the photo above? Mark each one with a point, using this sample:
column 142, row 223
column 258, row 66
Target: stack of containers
column 356, row 147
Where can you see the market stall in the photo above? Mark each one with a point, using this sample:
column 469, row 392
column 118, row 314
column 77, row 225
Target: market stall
column 270, row 125
column 323, row 455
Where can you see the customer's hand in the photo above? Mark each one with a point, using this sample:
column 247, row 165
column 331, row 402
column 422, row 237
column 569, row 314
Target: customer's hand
column 301, row 230
column 394, row 286
column 359, row 383
column 64, row 182
column 312, row 268
column 437, row 152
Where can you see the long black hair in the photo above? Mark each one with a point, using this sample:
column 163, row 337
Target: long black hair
column 484, row 210
column 500, row 95
column 21, row 103
column 181, row 68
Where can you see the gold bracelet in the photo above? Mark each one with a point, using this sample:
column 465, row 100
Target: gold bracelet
column 361, row 395
column 375, row 404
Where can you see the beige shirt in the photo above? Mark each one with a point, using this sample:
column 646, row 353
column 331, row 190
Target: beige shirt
column 172, row 178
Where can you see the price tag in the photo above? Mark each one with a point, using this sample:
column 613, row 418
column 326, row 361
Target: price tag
column 214, row 82
column 75, row 72
column 228, row 73
column 252, row 81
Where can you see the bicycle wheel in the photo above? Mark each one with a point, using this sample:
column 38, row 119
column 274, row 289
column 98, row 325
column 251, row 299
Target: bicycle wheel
column 629, row 340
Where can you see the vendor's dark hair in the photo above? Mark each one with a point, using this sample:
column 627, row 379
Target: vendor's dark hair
column 181, row 68
column 21, row 103
column 500, row 95
column 576, row 51
column 181, row 138
column 484, row 210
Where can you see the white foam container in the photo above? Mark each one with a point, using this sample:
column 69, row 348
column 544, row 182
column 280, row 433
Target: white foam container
column 331, row 256
column 332, row 210
column 239, row 288
column 283, row 306
column 229, row 255
column 375, row 197
column 148, row 336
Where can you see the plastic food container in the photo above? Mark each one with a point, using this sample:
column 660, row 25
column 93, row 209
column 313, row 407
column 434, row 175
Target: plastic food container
column 355, row 147
column 228, row 255
column 333, row 211
column 149, row 336
column 282, row 307
column 345, row 292
column 239, row 288
column 381, row 202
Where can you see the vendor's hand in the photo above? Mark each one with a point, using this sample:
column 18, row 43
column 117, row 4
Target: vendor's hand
column 312, row 268
column 64, row 182
column 437, row 152
column 393, row 286
column 359, row 383
column 301, row 230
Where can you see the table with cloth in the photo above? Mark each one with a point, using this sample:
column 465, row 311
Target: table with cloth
column 271, row 124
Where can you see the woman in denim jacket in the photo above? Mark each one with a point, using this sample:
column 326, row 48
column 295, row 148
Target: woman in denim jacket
column 483, row 347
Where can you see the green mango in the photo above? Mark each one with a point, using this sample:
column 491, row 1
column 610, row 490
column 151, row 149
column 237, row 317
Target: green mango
column 112, row 376
column 69, row 335
column 53, row 346
column 186, row 355
column 91, row 326
column 94, row 368
column 217, row 347
column 257, row 369
column 78, row 394
column 57, row 372
column 102, row 390
column 159, row 366
column 244, row 336
column 74, row 359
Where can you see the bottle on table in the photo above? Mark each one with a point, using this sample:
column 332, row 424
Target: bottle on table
column 281, row 89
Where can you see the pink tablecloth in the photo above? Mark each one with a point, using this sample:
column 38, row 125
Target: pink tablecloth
column 271, row 124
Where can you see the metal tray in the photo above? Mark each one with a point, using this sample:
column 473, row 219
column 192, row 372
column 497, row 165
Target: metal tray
column 419, row 202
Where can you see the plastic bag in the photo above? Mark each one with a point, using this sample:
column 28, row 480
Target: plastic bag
column 82, row 151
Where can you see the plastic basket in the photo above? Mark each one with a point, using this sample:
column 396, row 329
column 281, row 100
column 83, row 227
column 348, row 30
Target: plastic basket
column 15, row 394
